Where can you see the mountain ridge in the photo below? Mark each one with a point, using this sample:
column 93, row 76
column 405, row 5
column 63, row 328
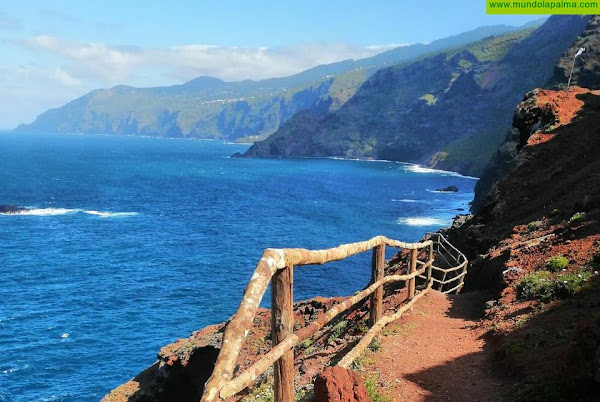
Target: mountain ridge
column 207, row 107
column 447, row 110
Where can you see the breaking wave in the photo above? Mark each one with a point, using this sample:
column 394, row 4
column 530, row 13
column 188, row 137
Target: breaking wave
column 44, row 211
column 420, row 221
column 110, row 214
column 422, row 169
column 65, row 211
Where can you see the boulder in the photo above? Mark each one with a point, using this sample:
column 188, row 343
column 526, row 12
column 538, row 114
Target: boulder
column 337, row 384
column 11, row 209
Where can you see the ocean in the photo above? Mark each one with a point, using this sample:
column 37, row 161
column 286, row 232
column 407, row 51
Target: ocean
column 133, row 242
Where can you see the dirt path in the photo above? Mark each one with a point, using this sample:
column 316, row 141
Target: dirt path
column 436, row 353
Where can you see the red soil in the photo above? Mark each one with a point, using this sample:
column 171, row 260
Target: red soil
column 564, row 105
column 437, row 352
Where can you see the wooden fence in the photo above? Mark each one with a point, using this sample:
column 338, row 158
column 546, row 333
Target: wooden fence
column 277, row 266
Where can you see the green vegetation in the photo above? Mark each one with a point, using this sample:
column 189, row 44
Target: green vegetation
column 537, row 285
column 511, row 347
column 577, row 218
column 361, row 327
column 567, row 285
column 557, row 263
column 371, row 385
column 262, row 393
column 497, row 47
column 555, row 212
column 430, row 99
column 375, row 345
column 546, row 287
column 337, row 331
column 399, row 329
column 533, row 225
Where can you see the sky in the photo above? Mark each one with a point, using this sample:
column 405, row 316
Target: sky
column 54, row 52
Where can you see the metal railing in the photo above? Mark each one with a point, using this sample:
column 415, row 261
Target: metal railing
column 277, row 266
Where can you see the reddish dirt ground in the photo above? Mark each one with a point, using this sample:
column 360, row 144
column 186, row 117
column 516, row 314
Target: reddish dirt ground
column 437, row 353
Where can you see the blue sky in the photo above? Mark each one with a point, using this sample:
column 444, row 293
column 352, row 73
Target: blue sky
column 55, row 51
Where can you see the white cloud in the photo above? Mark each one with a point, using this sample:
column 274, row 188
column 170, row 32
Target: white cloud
column 66, row 79
column 113, row 64
column 389, row 46
column 58, row 71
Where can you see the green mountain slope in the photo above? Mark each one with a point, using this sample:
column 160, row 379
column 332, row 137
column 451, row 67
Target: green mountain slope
column 586, row 74
column 210, row 108
column 450, row 109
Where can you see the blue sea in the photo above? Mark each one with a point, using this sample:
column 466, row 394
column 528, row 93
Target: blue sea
column 134, row 242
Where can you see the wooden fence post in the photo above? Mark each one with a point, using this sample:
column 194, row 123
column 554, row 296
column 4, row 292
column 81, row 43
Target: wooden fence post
column 462, row 279
column 377, row 264
column 282, row 325
column 413, row 268
column 430, row 268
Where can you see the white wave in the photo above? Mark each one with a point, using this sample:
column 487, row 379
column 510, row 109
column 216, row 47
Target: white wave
column 422, row 169
column 14, row 370
column 65, row 335
column 45, row 211
column 420, row 221
column 442, row 192
column 108, row 214
column 65, row 211
column 405, row 200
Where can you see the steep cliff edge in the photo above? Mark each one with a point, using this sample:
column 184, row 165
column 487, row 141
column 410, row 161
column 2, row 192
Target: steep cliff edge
column 449, row 110
column 536, row 240
column 586, row 74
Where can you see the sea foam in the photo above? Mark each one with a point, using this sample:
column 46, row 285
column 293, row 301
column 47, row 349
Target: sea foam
column 65, row 211
column 110, row 214
column 420, row 221
column 422, row 169
column 45, row 211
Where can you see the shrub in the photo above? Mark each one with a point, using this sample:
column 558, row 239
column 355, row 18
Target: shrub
column 578, row 217
column 556, row 263
column 567, row 285
column 555, row 212
column 337, row 330
column 375, row 345
column 533, row 225
column 371, row 386
column 541, row 285
column 538, row 285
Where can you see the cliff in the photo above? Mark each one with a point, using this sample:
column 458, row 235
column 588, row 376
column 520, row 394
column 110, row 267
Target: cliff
column 450, row 109
column 536, row 241
column 586, row 74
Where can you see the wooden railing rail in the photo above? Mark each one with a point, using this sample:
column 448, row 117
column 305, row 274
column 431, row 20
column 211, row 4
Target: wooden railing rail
column 277, row 266
column 458, row 262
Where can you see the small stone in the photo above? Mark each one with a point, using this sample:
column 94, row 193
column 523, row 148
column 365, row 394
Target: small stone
column 491, row 303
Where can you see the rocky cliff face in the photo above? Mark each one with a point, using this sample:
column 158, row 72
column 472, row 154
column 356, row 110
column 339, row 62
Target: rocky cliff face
column 587, row 67
column 450, row 109
column 536, row 241
column 526, row 122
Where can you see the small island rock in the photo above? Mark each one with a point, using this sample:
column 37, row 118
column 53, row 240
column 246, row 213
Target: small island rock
column 449, row 189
